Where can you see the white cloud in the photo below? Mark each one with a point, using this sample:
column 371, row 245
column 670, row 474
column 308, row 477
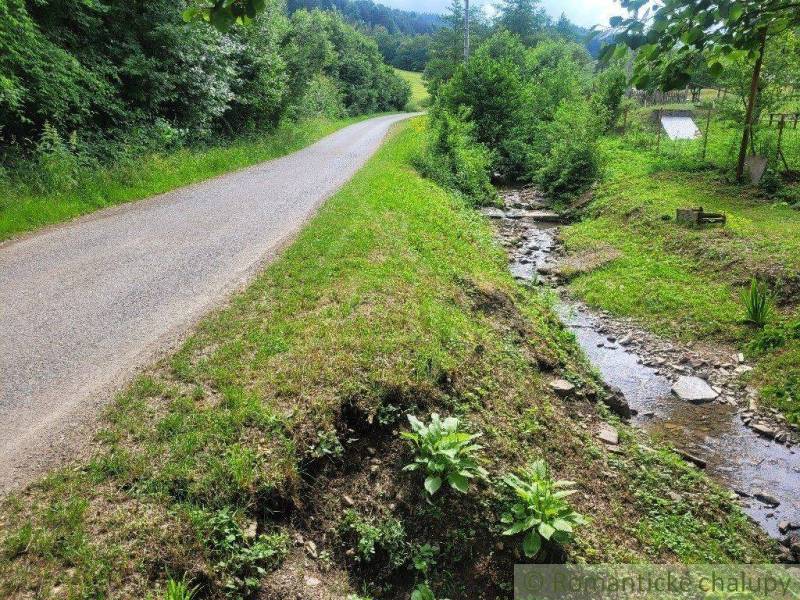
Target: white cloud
column 582, row 12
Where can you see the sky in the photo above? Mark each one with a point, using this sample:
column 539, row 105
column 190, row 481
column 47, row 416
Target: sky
column 583, row 12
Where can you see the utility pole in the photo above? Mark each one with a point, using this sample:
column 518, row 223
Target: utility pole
column 466, row 30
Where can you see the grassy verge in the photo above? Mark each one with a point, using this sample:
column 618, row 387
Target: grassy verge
column 684, row 282
column 22, row 210
column 419, row 93
column 266, row 452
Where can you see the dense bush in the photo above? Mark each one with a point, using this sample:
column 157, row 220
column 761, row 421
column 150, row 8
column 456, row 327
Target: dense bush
column 529, row 107
column 571, row 163
column 455, row 160
column 116, row 76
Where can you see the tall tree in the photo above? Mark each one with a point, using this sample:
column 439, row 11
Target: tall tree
column 525, row 18
column 668, row 37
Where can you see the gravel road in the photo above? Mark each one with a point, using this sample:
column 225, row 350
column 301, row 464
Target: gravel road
column 84, row 305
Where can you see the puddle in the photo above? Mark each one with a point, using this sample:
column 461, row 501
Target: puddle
column 734, row 454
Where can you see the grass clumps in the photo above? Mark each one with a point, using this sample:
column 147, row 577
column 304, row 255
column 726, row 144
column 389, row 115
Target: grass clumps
column 758, row 304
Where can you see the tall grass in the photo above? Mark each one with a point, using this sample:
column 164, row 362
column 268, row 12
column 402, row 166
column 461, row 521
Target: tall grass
column 758, row 304
column 58, row 190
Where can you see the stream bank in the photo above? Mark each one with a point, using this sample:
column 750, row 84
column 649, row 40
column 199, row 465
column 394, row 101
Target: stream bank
column 752, row 452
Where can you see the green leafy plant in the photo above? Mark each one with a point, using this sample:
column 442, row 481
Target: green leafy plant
column 541, row 510
column 758, row 303
column 387, row 535
column 424, row 558
column 422, row 592
column 444, row 453
column 179, row 590
column 239, row 560
column 327, row 444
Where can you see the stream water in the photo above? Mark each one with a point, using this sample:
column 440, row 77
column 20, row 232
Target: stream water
column 761, row 471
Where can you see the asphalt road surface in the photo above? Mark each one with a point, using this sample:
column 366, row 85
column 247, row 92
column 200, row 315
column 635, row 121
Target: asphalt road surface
column 85, row 304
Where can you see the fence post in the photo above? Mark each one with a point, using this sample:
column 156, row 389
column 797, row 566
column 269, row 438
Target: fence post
column 625, row 120
column 708, row 127
column 660, row 127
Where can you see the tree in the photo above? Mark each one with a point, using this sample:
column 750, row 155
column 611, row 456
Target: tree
column 223, row 14
column 668, row 39
column 522, row 17
column 447, row 45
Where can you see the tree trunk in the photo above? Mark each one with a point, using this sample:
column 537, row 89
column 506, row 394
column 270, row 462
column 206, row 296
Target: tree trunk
column 751, row 104
column 466, row 30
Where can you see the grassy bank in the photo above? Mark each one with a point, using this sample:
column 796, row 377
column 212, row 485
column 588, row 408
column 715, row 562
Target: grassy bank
column 265, row 454
column 419, row 93
column 683, row 282
column 22, row 209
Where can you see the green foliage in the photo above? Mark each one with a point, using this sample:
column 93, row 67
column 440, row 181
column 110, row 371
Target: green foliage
column 528, row 107
column 179, row 590
column 327, row 444
column 387, row 536
column 681, row 30
column 240, row 559
column 490, row 86
column 423, row 592
column 223, row 14
column 541, row 511
column 57, row 166
column 758, row 303
column 774, row 337
column 610, row 89
column 424, row 558
column 771, row 183
column 524, row 18
column 117, row 76
column 443, row 453
column 455, row 160
column 572, row 163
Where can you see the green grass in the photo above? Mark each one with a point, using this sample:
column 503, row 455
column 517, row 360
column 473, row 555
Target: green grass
column 395, row 299
column 22, row 210
column 419, row 93
column 678, row 281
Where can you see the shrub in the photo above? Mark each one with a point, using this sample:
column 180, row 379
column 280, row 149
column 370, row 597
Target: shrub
column 322, row 98
column 610, row 89
column 572, row 162
column 240, row 560
column 771, row 183
column 454, row 160
column 57, row 165
column 541, row 509
column 388, row 535
column 444, row 453
column 758, row 303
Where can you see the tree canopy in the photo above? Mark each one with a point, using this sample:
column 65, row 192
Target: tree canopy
column 668, row 36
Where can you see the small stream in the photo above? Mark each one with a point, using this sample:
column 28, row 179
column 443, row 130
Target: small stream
column 761, row 471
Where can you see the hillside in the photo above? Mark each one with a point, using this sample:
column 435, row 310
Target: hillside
column 373, row 14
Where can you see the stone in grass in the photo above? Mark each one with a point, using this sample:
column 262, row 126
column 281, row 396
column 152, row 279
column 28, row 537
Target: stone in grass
column 694, row 389
column 562, row 387
column 607, row 434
